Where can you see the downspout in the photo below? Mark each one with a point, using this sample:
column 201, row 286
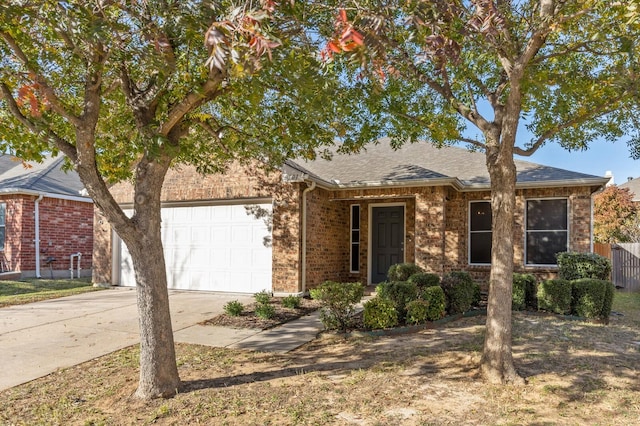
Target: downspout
column 303, row 280
column 37, row 232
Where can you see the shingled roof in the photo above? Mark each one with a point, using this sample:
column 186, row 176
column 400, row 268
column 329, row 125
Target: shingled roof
column 634, row 188
column 45, row 178
column 422, row 163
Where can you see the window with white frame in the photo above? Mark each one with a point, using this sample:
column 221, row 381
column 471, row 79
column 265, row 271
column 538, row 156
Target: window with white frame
column 480, row 232
column 547, row 230
column 355, row 238
column 3, row 227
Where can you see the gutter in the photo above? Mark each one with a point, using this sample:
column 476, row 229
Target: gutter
column 37, row 233
column 303, row 272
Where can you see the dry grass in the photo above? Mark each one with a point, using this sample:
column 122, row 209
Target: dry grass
column 577, row 373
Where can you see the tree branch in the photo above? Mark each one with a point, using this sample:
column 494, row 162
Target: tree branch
column 209, row 90
column 36, row 128
column 45, row 88
column 604, row 108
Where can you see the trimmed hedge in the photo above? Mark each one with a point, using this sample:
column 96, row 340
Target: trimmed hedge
column 574, row 266
column 555, row 296
column 425, row 279
column 338, row 303
column 592, row 298
column 524, row 292
column 402, row 271
column 458, row 287
column 380, row 313
column 437, row 301
column 400, row 293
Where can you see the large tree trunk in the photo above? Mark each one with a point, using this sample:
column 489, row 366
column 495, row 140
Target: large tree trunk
column 158, row 370
column 497, row 361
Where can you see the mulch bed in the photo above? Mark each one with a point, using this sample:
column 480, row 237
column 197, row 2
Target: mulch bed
column 248, row 318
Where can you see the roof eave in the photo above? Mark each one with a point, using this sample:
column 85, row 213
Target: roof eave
column 18, row 191
column 455, row 183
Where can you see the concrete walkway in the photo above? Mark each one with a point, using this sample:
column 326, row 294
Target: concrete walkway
column 38, row 338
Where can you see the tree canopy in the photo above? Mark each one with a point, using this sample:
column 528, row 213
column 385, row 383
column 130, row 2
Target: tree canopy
column 615, row 216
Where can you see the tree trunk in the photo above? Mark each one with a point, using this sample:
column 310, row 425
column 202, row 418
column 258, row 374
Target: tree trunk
column 158, row 370
column 497, row 362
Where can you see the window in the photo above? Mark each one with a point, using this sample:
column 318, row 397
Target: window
column 355, row 238
column 547, row 230
column 480, row 232
column 3, row 215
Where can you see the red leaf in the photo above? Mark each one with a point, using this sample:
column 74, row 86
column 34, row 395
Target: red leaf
column 343, row 15
column 334, row 47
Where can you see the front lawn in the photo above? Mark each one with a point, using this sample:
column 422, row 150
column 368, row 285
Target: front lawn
column 35, row 290
column 577, row 373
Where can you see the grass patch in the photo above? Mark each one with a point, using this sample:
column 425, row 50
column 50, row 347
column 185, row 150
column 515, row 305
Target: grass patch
column 627, row 303
column 35, row 290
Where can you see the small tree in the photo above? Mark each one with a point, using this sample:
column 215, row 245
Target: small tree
column 615, row 216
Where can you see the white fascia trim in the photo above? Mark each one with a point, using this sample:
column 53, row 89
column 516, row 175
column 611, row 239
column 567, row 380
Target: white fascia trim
column 46, row 194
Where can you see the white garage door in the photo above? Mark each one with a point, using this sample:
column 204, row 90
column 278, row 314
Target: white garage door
column 214, row 248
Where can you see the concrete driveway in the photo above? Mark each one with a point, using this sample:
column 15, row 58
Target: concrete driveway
column 38, row 338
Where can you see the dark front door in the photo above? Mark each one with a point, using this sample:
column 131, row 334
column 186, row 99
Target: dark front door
column 387, row 240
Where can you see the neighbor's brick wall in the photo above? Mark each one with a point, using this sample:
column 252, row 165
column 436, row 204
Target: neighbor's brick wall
column 13, row 229
column 66, row 227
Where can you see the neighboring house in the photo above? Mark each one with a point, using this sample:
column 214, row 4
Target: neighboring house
column 43, row 216
column 349, row 219
column 634, row 188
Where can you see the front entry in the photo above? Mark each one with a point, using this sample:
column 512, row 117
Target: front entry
column 387, row 240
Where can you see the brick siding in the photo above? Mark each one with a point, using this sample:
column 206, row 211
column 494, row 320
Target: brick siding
column 66, row 227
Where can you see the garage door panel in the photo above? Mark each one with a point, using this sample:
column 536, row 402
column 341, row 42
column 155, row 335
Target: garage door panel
column 216, row 248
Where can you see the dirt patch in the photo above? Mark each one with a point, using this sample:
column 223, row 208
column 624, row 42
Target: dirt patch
column 249, row 319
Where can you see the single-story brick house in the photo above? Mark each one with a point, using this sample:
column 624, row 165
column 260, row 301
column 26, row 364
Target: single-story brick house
column 348, row 219
column 43, row 216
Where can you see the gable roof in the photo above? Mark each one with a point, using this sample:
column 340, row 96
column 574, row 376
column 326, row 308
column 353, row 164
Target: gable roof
column 420, row 164
column 46, row 178
column 634, row 188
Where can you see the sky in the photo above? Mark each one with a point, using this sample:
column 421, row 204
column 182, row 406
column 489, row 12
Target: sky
column 601, row 157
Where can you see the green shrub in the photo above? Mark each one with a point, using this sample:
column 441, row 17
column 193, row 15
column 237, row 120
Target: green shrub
column 262, row 298
column 524, row 292
column 338, row 302
column 234, row 308
column 417, row 312
column 265, row 310
column 380, row 313
column 574, row 266
column 458, row 289
column 424, row 279
column 292, row 302
column 402, row 271
column 477, row 295
column 607, row 304
column 587, row 297
column 437, row 301
column 400, row 293
column 592, row 298
column 555, row 296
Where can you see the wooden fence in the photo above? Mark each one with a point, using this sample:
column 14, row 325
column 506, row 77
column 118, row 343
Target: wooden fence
column 625, row 261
